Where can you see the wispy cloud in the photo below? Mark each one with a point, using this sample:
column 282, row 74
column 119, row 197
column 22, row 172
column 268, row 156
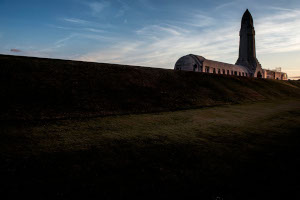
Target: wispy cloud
column 195, row 21
column 281, row 9
column 162, row 44
column 124, row 8
column 97, row 37
column 147, row 4
column 60, row 49
column 62, row 41
column 75, row 37
column 94, row 30
column 76, row 21
column 224, row 5
column 159, row 30
column 80, row 29
column 98, row 6
column 279, row 32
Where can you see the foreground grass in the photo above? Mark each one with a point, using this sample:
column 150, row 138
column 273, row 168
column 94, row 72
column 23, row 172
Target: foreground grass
column 231, row 152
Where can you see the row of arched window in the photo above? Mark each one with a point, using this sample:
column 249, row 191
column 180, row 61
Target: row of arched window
column 226, row 72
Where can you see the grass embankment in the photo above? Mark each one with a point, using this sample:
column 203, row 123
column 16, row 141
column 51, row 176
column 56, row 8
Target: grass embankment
column 35, row 88
column 246, row 151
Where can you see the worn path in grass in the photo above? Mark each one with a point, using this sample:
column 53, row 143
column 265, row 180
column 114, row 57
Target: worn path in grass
column 249, row 151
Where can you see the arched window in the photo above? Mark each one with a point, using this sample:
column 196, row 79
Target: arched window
column 207, row 69
column 219, row 71
column 194, row 67
column 200, row 68
column 227, row 72
column 259, row 75
column 223, row 71
column 214, row 70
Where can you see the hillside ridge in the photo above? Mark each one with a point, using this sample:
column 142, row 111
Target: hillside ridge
column 43, row 88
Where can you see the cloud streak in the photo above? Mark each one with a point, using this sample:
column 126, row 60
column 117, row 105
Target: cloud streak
column 124, row 8
column 162, row 44
column 279, row 32
column 76, row 21
column 224, row 5
column 98, row 6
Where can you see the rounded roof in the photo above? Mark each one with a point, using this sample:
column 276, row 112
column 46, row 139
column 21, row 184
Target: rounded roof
column 199, row 58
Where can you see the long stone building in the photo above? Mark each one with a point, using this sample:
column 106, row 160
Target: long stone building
column 246, row 65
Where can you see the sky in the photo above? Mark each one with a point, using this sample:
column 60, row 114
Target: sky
column 152, row 33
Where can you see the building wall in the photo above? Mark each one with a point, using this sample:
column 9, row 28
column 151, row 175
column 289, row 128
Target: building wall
column 224, row 68
column 272, row 74
column 200, row 64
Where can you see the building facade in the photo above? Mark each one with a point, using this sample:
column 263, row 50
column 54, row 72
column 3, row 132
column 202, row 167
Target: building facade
column 275, row 74
column 246, row 65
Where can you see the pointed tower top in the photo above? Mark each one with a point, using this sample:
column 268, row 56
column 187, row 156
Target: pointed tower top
column 247, row 18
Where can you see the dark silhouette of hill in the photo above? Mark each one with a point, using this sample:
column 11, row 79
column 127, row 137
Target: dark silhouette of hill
column 39, row 88
column 245, row 151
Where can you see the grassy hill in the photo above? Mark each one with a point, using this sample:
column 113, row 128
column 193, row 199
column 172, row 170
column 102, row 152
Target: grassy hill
column 232, row 152
column 249, row 150
column 36, row 88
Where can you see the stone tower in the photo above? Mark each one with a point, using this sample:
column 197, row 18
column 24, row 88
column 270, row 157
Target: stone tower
column 247, row 53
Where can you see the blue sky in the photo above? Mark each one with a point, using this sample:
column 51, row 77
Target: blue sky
column 152, row 33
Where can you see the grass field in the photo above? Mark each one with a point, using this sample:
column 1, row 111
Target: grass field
column 246, row 151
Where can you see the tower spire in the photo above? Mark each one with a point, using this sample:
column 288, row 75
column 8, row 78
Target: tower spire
column 247, row 50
